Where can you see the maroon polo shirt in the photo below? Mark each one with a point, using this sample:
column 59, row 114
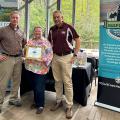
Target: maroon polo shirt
column 62, row 38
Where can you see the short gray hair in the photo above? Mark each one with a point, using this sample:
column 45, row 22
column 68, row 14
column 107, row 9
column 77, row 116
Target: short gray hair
column 57, row 11
column 15, row 12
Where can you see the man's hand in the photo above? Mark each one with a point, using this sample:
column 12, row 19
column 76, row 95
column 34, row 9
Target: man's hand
column 72, row 60
column 2, row 58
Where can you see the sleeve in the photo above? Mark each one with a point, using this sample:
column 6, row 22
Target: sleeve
column 1, row 37
column 24, row 42
column 1, row 33
column 50, row 37
column 48, row 55
column 74, row 33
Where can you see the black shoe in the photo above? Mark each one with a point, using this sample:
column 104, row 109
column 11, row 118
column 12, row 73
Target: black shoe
column 39, row 110
column 33, row 106
column 16, row 103
column 56, row 106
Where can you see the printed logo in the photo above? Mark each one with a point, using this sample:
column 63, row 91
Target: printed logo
column 117, row 80
column 63, row 32
column 112, row 24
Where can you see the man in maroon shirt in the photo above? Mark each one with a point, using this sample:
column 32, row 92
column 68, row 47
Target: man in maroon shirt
column 61, row 36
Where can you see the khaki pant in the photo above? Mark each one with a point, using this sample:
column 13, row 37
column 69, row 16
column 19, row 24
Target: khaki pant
column 62, row 71
column 10, row 69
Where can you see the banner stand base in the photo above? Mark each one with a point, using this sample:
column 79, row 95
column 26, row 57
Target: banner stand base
column 107, row 106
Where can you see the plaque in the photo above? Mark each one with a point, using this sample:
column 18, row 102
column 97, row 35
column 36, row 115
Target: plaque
column 33, row 52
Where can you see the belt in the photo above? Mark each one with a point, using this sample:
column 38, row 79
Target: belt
column 63, row 54
column 18, row 55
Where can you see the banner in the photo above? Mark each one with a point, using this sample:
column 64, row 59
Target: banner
column 6, row 6
column 109, row 61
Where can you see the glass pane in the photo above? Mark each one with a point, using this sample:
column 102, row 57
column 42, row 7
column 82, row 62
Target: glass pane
column 87, row 22
column 37, row 14
column 6, row 7
column 22, row 14
column 67, row 10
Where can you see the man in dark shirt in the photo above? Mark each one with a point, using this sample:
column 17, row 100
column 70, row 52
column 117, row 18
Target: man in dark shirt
column 11, row 43
column 61, row 36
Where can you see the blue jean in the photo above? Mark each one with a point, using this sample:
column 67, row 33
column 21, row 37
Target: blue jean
column 38, row 87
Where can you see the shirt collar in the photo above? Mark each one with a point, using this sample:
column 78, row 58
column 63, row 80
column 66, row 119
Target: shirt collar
column 62, row 25
column 15, row 29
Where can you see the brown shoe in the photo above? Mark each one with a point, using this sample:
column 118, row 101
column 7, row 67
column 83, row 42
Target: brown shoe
column 69, row 113
column 56, row 106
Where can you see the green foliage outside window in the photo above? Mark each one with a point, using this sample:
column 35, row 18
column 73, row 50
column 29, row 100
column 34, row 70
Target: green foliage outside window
column 87, row 18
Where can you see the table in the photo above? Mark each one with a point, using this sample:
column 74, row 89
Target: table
column 92, row 53
column 94, row 69
column 80, row 77
column 81, row 83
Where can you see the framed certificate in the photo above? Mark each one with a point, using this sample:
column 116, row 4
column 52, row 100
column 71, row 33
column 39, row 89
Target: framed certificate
column 33, row 52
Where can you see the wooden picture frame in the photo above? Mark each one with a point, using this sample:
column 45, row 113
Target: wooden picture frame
column 33, row 52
